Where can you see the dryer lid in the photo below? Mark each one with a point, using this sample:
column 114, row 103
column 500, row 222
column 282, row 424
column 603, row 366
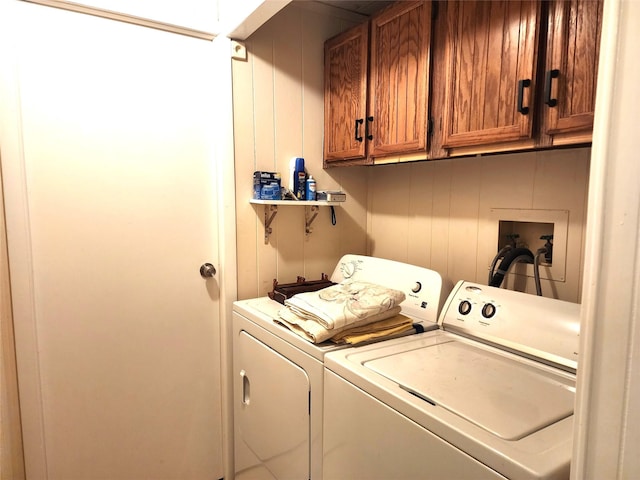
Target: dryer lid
column 507, row 396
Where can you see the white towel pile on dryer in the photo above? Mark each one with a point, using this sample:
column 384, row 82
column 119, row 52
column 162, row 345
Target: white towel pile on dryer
column 348, row 312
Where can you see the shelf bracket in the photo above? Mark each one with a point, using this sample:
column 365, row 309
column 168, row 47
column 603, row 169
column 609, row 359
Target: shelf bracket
column 269, row 214
column 310, row 216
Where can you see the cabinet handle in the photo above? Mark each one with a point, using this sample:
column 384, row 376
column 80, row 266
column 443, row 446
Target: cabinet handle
column 551, row 74
column 366, row 130
column 522, row 84
column 359, row 121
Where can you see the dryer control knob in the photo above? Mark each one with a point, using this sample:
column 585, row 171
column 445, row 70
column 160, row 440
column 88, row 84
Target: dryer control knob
column 348, row 269
column 465, row 307
column 417, row 287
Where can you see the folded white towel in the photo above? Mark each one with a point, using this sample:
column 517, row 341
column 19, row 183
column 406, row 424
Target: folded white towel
column 345, row 303
column 316, row 333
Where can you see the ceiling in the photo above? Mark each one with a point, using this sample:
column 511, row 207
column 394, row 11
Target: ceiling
column 364, row 7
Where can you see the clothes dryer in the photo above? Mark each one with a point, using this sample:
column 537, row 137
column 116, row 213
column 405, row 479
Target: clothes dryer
column 278, row 376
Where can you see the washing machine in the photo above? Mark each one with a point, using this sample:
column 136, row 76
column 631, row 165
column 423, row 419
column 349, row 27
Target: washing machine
column 278, row 376
column 489, row 395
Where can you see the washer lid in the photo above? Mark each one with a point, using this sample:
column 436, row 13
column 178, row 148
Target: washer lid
column 505, row 396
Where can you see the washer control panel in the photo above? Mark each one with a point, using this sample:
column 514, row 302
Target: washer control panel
column 538, row 326
column 475, row 308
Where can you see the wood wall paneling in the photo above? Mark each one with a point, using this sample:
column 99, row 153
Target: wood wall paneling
column 287, row 71
column 420, row 214
column 441, row 214
column 437, row 214
column 464, row 218
column 389, row 199
column 278, row 114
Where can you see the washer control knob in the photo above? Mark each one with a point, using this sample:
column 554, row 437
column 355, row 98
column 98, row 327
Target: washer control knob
column 489, row 310
column 417, row 287
column 465, row 307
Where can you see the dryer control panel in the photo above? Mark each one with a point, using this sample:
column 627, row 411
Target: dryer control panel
column 425, row 290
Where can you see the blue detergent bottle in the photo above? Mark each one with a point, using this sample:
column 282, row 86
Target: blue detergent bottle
column 298, row 182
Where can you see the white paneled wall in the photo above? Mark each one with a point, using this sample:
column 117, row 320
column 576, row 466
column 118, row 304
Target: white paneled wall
column 434, row 214
column 437, row 214
column 278, row 110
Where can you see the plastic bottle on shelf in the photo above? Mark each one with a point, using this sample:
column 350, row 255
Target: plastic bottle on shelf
column 298, row 177
column 310, row 188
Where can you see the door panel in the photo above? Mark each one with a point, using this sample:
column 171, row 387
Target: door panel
column 272, row 431
column 345, row 94
column 574, row 39
column 491, row 47
column 119, row 200
column 400, row 52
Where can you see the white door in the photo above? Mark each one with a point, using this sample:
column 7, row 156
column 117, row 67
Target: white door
column 110, row 179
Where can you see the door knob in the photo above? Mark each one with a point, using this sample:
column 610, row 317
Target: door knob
column 207, row 270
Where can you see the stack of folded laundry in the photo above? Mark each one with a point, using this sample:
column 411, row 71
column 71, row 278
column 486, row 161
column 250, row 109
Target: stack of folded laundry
column 349, row 312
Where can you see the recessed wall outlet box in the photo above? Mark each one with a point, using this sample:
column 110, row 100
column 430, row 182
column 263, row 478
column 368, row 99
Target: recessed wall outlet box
column 525, row 227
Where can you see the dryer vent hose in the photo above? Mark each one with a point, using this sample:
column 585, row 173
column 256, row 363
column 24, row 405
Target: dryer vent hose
column 512, row 256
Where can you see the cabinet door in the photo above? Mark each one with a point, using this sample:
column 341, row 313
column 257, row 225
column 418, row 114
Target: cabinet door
column 490, row 71
column 345, row 94
column 400, row 42
column 572, row 65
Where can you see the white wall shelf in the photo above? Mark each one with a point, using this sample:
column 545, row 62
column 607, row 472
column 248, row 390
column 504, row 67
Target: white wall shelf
column 271, row 209
column 320, row 203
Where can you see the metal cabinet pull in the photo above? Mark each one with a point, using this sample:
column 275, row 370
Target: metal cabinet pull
column 551, row 74
column 522, row 84
column 359, row 121
column 367, row 133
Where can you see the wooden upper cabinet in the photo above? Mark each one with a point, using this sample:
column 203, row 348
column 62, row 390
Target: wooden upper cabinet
column 399, row 79
column 375, row 90
column 345, row 94
column 505, row 76
column 490, row 71
column 571, row 66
